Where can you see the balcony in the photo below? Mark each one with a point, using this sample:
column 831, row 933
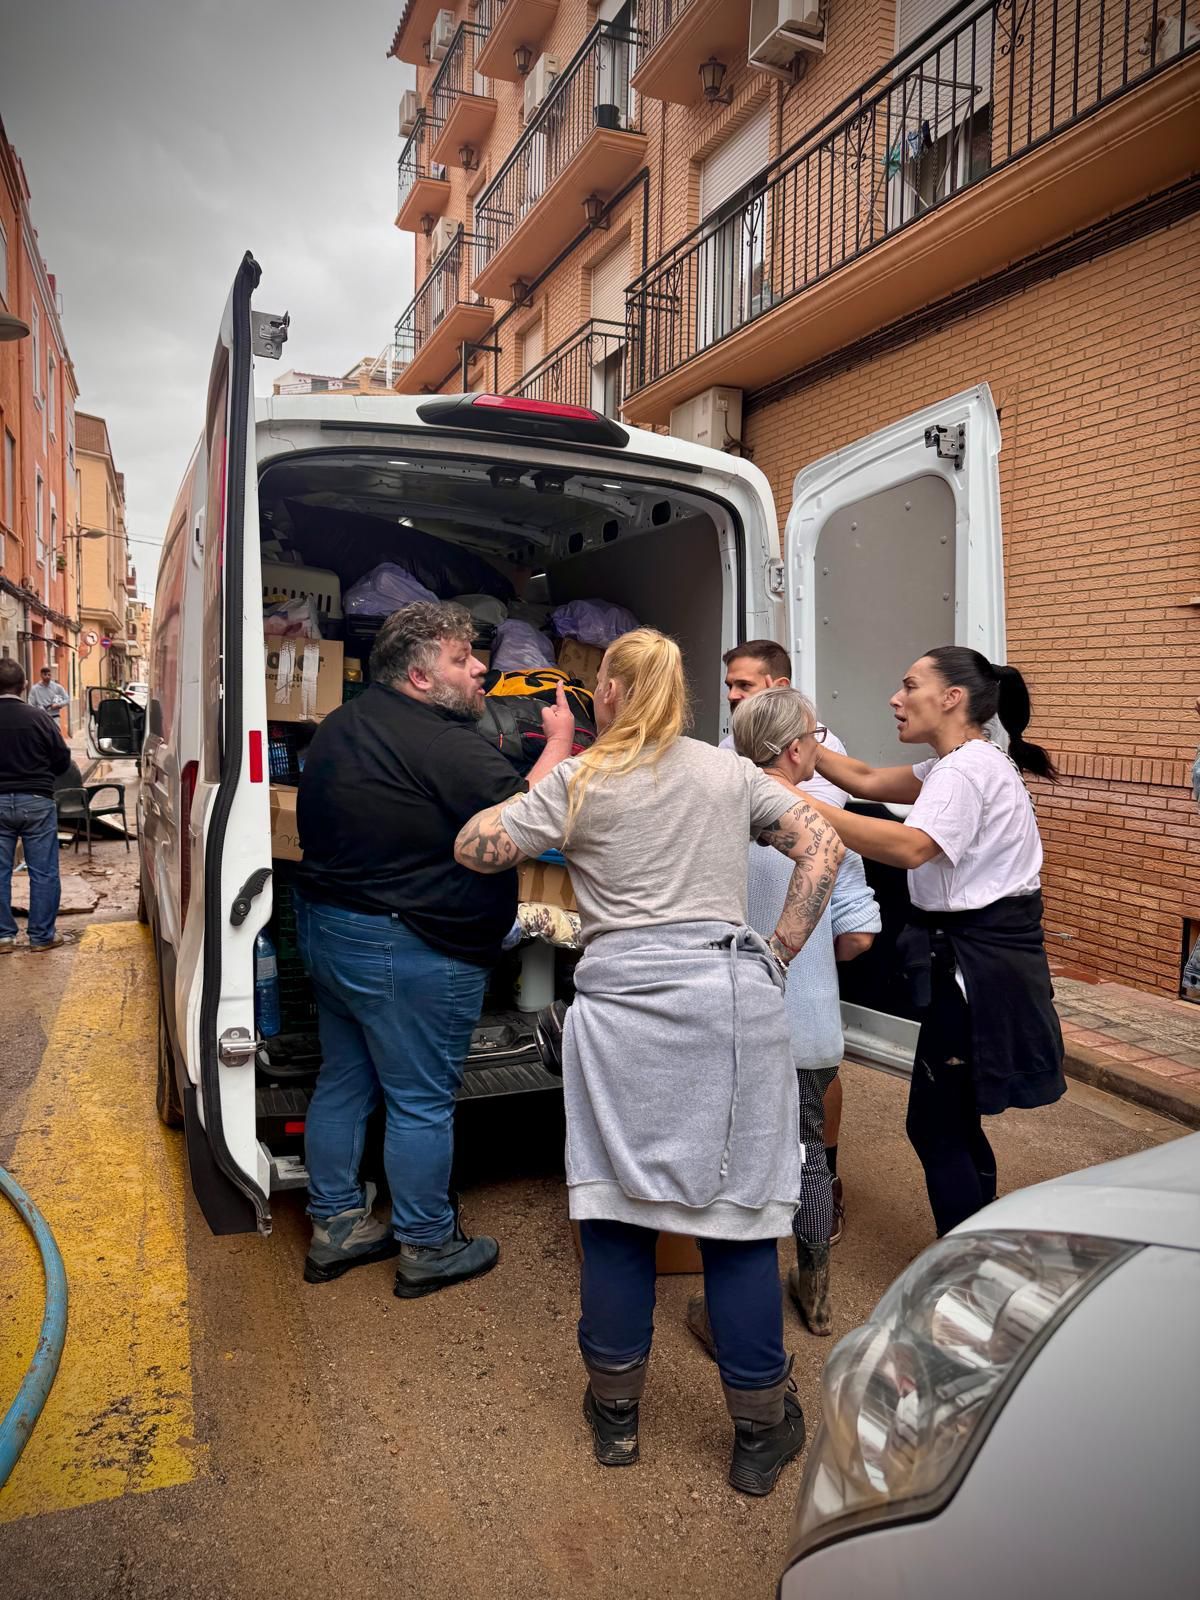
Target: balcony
column 410, row 42
column 508, row 25
column 966, row 154
column 680, row 36
column 585, row 370
column 585, row 141
column 422, row 196
column 440, row 318
column 459, row 103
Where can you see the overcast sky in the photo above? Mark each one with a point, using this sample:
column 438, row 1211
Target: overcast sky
column 161, row 140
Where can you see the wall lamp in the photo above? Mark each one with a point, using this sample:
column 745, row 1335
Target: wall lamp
column 523, row 56
column 468, row 159
column 593, row 210
column 519, row 293
column 427, row 221
column 712, row 76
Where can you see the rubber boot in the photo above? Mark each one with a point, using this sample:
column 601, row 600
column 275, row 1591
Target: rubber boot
column 610, row 1406
column 768, row 1432
column 808, row 1285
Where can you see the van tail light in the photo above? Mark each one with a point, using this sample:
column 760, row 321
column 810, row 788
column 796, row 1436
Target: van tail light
column 187, row 790
column 530, row 419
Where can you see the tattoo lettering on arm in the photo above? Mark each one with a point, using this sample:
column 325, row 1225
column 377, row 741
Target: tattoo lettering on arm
column 814, row 846
column 485, row 845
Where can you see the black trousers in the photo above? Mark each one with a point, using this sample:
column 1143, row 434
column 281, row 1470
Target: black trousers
column 943, row 1124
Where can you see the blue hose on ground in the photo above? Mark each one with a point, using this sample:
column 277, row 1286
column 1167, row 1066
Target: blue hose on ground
column 21, row 1416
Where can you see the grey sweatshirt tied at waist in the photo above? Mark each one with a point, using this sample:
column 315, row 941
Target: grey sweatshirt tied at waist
column 679, row 1084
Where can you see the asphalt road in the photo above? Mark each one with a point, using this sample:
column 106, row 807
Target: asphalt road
column 222, row 1430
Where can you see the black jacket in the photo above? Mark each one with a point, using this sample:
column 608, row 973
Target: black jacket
column 32, row 750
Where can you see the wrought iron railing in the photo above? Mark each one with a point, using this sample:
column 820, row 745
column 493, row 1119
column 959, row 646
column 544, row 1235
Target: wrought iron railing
column 586, row 369
column 446, row 285
column 456, row 75
column 486, row 15
column 414, row 162
column 592, row 92
column 979, row 89
column 656, row 18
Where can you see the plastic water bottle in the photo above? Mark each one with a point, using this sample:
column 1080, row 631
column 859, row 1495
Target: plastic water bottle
column 266, row 987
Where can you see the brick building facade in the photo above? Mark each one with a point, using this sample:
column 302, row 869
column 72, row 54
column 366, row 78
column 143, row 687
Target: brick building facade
column 38, row 489
column 932, row 198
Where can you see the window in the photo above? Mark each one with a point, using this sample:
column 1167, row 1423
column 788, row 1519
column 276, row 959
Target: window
column 10, row 481
column 51, row 392
column 609, row 278
column 3, row 265
column 39, row 526
column 531, row 347
column 35, row 340
column 731, row 286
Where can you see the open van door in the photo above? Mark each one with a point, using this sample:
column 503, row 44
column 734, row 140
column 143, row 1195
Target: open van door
column 229, row 893
column 116, row 725
column 892, row 546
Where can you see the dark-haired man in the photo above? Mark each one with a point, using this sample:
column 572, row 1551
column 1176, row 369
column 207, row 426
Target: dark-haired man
column 398, row 940
column 33, row 753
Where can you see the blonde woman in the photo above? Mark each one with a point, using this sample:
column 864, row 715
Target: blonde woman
column 677, row 1069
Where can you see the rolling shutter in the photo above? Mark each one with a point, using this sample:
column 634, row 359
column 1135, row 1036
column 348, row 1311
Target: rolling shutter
column 733, row 164
column 608, row 286
column 956, row 79
column 531, row 346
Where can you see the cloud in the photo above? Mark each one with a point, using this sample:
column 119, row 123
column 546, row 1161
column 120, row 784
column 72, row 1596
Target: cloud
column 161, row 141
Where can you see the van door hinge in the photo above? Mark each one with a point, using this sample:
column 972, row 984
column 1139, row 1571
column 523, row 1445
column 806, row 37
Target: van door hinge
column 950, row 443
column 775, row 576
column 268, row 334
column 237, row 1047
column 247, row 894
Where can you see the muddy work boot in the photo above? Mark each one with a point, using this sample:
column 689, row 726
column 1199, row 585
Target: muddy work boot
column 426, row 1268
column 698, row 1324
column 351, row 1239
column 610, row 1407
column 768, row 1432
column 808, row 1285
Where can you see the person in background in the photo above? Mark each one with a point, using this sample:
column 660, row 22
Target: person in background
column 48, row 695
column 33, row 753
column 974, row 952
column 749, row 669
column 678, row 1081
column 398, row 941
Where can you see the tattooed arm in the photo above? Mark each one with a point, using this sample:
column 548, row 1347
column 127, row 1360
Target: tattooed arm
column 895, row 844
column 484, row 844
column 813, row 844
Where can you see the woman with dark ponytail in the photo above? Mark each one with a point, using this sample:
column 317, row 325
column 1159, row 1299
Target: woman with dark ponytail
column 974, row 951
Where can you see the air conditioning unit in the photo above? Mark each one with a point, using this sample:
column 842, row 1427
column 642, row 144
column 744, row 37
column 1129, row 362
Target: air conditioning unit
column 539, row 83
column 780, row 29
column 442, row 36
column 409, row 107
column 442, row 237
column 713, row 419
column 1171, row 38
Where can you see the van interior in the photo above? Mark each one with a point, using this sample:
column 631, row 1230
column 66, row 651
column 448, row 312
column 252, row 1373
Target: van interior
column 531, row 537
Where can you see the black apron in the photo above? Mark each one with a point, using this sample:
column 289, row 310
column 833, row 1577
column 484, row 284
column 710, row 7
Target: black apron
column 1016, row 1041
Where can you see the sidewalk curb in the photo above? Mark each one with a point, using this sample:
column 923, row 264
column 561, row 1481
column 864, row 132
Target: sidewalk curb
column 1142, row 1088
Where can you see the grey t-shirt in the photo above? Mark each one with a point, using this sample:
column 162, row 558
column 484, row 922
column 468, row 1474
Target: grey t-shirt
column 665, row 843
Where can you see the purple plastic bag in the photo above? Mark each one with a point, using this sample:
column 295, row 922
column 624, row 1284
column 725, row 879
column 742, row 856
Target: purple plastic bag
column 385, row 589
column 520, row 648
column 594, row 622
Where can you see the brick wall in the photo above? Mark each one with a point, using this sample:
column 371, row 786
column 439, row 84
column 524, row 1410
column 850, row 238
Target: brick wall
column 1094, row 374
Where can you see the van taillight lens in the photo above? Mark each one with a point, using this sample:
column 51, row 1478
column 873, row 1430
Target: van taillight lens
column 187, row 789
column 533, row 408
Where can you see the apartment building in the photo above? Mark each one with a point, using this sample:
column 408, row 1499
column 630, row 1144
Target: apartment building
column 800, row 229
column 39, row 612
column 107, row 582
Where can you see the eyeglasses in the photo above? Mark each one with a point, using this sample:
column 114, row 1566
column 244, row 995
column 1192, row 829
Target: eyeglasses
column 819, row 732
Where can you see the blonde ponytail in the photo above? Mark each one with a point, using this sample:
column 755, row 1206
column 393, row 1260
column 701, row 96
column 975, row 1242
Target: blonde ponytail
column 653, row 714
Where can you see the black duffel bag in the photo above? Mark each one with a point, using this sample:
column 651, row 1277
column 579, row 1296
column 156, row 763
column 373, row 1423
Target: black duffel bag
column 513, row 723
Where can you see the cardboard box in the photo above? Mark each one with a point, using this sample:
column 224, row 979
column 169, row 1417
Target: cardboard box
column 285, row 836
column 546, row 883
column 580, row 661
column 328, row 688
column 676, row 1253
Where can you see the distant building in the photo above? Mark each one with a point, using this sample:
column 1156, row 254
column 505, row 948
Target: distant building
column 107, row 582
column 39, row 601
column 371, row 375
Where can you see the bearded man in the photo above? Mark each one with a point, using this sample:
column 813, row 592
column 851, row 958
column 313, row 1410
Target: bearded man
column 398, row 939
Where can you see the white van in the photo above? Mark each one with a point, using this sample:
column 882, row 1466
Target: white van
column 685, row 537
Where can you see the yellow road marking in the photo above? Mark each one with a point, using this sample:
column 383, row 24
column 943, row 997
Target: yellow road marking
column 109, row 1180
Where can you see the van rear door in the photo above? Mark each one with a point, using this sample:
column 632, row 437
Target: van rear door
column 230, row 892
column 892, row 546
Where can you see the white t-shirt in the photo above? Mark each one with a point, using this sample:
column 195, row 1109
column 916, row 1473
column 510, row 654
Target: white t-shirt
column 974, row 805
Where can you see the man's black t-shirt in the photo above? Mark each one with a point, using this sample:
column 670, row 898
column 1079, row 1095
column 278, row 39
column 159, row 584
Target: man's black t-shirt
column 387, row 784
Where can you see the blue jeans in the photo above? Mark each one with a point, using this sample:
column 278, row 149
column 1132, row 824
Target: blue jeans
column 395, row 1018
column 741, row 1286
column 33, row 819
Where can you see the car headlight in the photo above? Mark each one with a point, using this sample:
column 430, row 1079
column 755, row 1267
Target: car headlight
column 907, row 1398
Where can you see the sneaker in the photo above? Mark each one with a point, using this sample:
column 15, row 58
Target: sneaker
column 52, row 944
column 839, row 1212
column 426, row 1268
column 351, row 1239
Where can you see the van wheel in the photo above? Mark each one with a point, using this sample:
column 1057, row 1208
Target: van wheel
column 166, row 1097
